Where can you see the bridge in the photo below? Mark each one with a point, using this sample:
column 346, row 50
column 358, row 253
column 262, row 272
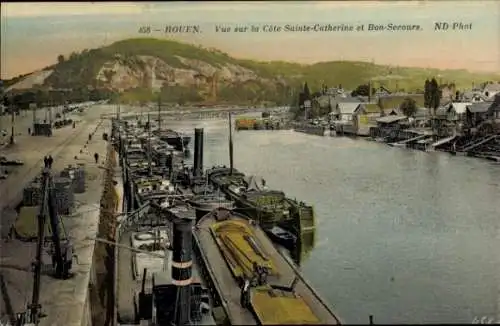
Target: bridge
column 186, row 113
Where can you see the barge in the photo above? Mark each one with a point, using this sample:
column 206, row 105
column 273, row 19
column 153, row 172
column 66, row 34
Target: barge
column 270, row 208
column 156, row 280
column 173, row 138
column 250, row 279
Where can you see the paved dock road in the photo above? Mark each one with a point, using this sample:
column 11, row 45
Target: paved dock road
column 63, row 301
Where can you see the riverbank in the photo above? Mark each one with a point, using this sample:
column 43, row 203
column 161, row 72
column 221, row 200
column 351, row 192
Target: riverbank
column 253, row 123
column 424, row 139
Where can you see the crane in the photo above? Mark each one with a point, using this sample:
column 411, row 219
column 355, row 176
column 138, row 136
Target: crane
column 62, row 251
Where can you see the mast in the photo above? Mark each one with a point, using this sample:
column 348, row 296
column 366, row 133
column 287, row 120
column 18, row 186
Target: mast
column 50, row 112
column 119, row 124
column 159, row 111
column 230, row 145
column 149, row 146
column 369, row 91
column 12, row 110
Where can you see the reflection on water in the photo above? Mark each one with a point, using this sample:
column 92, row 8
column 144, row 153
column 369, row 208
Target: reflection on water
column 406, row 236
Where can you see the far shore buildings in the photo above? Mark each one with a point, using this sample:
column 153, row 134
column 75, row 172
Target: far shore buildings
column 356, row 114
column 459, row 114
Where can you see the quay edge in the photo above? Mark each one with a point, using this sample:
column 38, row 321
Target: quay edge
column 64, row 302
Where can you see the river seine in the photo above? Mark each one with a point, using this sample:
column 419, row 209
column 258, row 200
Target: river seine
column 403, row 235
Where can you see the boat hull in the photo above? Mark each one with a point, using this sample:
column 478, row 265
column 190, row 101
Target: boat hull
column 177, row 142
column 203, row 208
column 286, row 240
column 174, row 138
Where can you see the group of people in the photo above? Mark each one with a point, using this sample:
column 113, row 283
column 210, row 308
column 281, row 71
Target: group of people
column 47, row 161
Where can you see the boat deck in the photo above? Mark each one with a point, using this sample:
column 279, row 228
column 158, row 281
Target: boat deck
column 295, row 302
column 130, row 271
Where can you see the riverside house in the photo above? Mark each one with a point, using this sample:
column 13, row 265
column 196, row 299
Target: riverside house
column 350, row 117
column 477, row 113
column 490, row 90
column 452, row 112
column 494, row 110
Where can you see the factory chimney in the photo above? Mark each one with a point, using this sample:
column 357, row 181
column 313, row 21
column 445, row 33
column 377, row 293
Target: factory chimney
column 198, row 152
column 181, row 269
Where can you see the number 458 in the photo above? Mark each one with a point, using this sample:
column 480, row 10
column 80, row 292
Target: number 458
column 483, row 320
column 145, row 29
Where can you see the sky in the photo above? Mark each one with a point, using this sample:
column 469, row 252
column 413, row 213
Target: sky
column 34, row 34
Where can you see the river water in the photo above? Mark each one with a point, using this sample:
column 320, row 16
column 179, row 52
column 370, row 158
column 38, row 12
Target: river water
column 403, row 235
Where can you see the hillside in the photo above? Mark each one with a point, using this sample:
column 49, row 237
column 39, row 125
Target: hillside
column 138, row 68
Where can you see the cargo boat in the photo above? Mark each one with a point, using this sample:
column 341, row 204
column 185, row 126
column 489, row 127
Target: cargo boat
column 281, row 236
column 205, row 203
column 271, row 208
column 173, row 138
column 249, row 278
column 156, row 281
column 152, row 258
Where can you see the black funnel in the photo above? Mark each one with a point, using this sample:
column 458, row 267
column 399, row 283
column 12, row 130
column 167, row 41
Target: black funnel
column 198, row 152
column 182, row 269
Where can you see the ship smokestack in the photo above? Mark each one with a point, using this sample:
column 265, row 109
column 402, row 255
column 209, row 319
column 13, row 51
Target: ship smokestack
column 182, row 269
column 198, row 152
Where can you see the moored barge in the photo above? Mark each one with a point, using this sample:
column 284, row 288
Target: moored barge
column 250, row 279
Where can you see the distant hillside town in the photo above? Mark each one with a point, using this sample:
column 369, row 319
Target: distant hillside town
column 443, row 108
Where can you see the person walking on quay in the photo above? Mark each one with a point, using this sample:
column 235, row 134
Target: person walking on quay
column 96, row 157
column 50, row 160
column 10, row 235
column 46, row 161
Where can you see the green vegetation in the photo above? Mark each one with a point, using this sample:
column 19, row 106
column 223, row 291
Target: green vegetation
column 432, row 94
column 278, row 80
column 408, row 107
column 393, row 102
column 140, row 95
column 21, row 100
column 79, row 70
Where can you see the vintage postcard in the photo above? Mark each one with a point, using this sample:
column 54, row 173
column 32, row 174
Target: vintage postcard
column 250, row 163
